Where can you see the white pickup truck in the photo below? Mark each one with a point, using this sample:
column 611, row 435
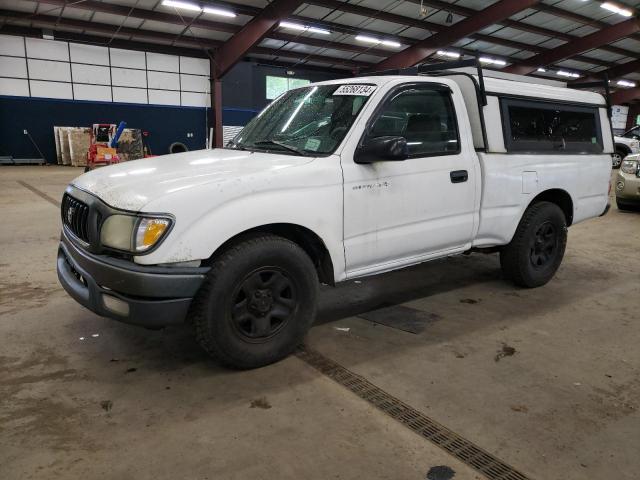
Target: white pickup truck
column 331, row 182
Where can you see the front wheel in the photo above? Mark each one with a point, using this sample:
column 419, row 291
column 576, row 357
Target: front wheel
column 536, row 250
column 257, row 302
column 617, row 157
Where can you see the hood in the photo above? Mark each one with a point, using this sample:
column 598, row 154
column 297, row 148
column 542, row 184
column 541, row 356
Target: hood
column 132, row 185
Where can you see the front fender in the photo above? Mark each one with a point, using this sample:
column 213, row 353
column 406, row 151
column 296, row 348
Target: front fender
column 208, row 217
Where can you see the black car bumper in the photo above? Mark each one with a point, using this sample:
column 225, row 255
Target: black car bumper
column 151, row 297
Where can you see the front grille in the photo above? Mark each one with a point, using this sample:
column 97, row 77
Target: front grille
column 75, row 215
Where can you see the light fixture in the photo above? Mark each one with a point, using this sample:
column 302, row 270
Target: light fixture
column 219, row 11
column 542, row 70
column 304, row 28
column 179, row 4
column 612, row 7
column 493, row 61
column 564, row 73
column 445, row 53
column 196, row 8
column 377, row 41
column 626, row 83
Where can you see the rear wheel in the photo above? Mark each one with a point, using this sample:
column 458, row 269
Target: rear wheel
column 537, row 248
column 257, row 302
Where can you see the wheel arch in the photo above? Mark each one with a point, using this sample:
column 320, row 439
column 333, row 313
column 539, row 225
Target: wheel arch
column 559, row 197
column 305, row 238
column 623, row 147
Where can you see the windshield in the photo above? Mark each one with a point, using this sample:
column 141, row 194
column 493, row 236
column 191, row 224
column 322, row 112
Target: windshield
column 633, row 133
column 305, row 121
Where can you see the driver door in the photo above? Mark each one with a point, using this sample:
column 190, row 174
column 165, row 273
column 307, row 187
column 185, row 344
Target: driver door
column 398, row 213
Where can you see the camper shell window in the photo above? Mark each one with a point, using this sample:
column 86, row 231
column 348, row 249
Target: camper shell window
column 542, row 127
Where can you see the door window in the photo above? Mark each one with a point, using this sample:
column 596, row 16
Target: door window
column 424, row 116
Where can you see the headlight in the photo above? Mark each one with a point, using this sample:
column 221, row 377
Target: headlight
column 133, row 233
column 629, row 166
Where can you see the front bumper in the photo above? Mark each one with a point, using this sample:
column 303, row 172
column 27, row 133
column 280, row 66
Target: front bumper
column 151, row 297
column 627, row 188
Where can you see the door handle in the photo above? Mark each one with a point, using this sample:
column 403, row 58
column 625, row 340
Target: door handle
column 459, row 176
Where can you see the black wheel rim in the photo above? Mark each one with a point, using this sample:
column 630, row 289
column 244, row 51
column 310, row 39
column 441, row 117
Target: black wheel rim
column 544, row 248
column 263, row 303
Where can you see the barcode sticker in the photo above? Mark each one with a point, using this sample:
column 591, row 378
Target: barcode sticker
column 361, row 90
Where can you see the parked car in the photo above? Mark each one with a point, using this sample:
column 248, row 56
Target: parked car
column 626, row 144
column 628, row 184
column 398, row 171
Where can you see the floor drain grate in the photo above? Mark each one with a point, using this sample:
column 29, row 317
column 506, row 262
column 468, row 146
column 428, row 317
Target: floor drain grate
column 465, row 451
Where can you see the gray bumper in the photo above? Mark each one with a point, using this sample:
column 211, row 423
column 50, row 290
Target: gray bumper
column 151, row 297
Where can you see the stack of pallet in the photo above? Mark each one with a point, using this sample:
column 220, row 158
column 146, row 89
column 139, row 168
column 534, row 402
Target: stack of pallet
column 72, row 145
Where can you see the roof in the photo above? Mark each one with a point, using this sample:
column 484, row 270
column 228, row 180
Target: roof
column 580, row 37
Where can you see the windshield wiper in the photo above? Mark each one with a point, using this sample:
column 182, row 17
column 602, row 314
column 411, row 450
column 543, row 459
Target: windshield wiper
column 280, row 144
column 235, row 145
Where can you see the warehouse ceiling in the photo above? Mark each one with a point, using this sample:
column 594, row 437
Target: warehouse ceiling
column 565, row 39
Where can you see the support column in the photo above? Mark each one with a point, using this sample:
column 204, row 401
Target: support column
column 217, row 109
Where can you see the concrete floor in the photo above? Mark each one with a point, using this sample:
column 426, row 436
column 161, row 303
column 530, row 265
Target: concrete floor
column 84, row 397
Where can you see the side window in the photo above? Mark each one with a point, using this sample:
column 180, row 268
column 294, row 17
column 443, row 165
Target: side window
column 424, row 116
column 531, row 126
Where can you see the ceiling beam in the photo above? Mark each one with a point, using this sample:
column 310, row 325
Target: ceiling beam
column 589, row 42
column 166, row 39
column 574, row 17
column 625, row 95
column 252, row 33
column 613, row 73
column 423, row 49
column 170, row 18
column 143, row 14
column 520, row 25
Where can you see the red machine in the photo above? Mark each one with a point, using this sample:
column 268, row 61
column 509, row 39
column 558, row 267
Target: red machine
column 102, row 150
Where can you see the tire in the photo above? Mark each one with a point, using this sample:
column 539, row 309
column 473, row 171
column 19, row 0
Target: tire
column 87, row 169
column 625, row 206
column 257, row 302
column 617, row 158
column 536, row 250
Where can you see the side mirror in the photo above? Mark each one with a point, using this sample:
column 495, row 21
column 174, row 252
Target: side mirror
column 390, row 148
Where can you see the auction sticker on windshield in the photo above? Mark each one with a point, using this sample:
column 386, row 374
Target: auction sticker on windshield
column 362, row 90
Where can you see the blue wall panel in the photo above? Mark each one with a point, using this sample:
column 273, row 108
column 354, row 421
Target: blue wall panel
column 165, row 124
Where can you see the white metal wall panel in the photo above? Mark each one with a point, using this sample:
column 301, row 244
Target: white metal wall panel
column 13, row 67
column 49, row 70
column 47, row 49
column 14, row 87
column 98, row 93
column 91, row 54
column 194, row 83
column 95, row 75
column 194, row 66
column 129, row 95
column 164, row 97
column 10, row 45
column 163, row 80
column 125, row 77
column 51, row 89
column 127, row 58
column 162, row 62
column 190, row 99
column 57, row 69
